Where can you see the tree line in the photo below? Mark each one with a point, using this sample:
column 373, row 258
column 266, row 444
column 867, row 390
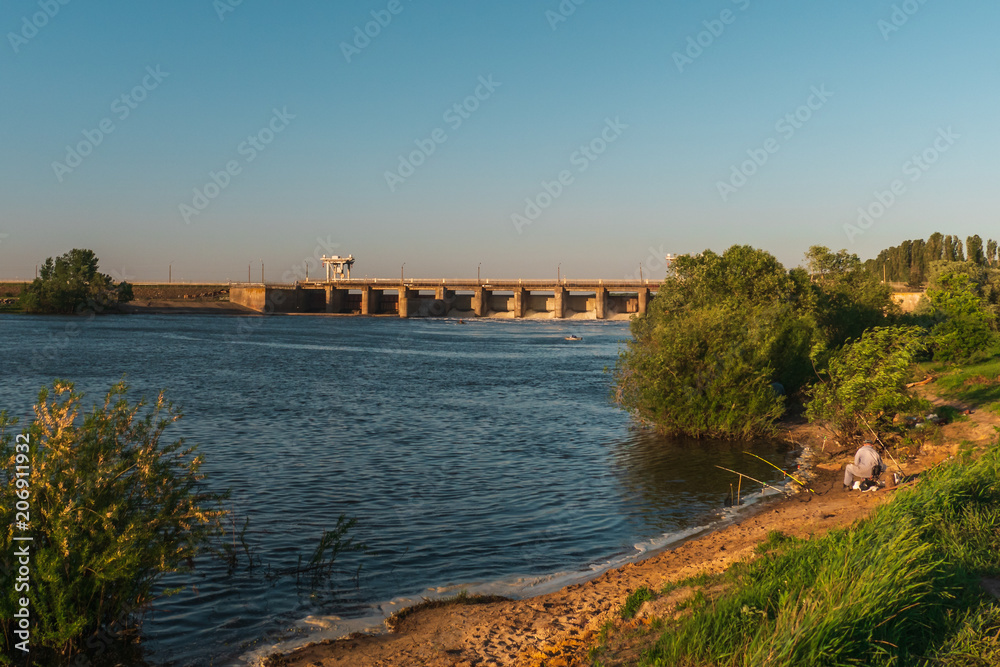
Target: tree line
column 911, row 261
column 731, row 341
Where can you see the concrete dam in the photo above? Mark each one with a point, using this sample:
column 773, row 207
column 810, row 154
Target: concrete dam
column 536, row 299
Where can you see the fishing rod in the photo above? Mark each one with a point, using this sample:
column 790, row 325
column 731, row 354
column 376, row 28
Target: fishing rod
column 790, row 476
column 752, row 479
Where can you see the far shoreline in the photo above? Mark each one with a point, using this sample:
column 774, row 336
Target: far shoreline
column 225, row 308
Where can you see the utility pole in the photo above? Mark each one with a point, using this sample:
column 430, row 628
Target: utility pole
column 479, row 281
column 559, row 272
column 401, row 272
column 261, row 270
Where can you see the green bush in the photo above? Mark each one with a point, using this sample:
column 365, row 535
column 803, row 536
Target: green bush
column 71, row 284
column 866, row 385
column 720, row 331
column 112, row 507
column 723, row 328
column 965, row 327
column 704, row 374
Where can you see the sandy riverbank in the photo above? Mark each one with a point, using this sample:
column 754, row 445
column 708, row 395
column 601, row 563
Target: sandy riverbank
column 557, row 628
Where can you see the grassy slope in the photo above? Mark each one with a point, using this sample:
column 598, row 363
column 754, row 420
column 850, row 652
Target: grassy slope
column 900, row 588
column 904, row 587
column 976, row 385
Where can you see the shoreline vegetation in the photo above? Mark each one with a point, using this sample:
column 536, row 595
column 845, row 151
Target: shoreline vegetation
column 733, row 346
column 733, row 342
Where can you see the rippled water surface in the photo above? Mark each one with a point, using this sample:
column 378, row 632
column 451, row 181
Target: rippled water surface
column 471, row 454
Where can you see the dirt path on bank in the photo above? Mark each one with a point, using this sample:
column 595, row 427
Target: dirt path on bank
column 556, row 629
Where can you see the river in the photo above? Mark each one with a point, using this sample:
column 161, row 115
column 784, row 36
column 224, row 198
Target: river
column 484, row 455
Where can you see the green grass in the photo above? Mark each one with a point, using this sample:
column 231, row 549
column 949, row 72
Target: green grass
column 703, row 579
column 900, row 588
column 634, row 601
column 975, row 384
column 976, row 644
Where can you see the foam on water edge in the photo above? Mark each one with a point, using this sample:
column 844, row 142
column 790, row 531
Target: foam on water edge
column 314, row 629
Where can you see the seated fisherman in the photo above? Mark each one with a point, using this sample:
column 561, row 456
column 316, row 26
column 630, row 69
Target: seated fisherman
column 867, row 466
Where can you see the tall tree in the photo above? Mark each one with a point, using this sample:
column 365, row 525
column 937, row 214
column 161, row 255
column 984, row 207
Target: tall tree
column 957, row 250
column 974, row 249
column 949, row 249
column 935, row 247
column 918, row 263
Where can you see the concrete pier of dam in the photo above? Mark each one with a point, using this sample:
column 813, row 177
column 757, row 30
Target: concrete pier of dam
column 516, row 299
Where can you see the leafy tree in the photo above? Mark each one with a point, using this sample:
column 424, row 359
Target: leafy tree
column 720, row 331
column 910, row 261
column 848, row 300
column 866, row 381
column 949, row 249
column 974, row 249
column 72, row 284
column 918, row 264
column 935, row 247
column 701, row 374
column 957, row 249
column 965, row 325
column 823, row 263
column 111, row 509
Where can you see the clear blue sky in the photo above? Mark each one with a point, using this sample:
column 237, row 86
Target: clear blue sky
column 678, row 128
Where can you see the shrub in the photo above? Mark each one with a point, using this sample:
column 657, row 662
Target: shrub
column 112, row 507
column 71, row 284
column 723, row 328
column 965, row 323
column 866, row 384
column 720, row 331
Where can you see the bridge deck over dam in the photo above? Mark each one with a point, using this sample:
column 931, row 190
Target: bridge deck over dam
column 584, row 299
